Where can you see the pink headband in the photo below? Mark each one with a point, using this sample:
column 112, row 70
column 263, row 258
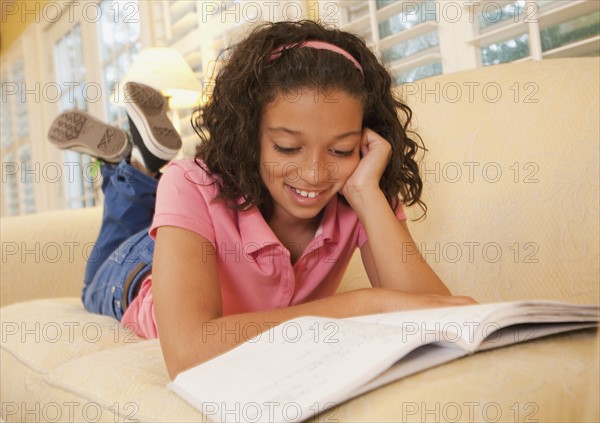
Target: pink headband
column 319, row 45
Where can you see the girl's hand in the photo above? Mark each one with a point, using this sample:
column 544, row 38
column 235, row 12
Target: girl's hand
column 376, row 153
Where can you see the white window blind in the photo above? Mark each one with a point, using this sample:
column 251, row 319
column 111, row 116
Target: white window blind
column 10, row 186
column 18, row 173
column 10, row 178
column 70, row 69
column 5, row 115
column 537, row 29
column 112, row 42
column 404, row 35
column 414, row 38
column 27, row 180
column 119, row 42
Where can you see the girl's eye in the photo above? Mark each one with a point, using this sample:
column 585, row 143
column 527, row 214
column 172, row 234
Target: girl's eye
column 284, row 149
column 342, row 153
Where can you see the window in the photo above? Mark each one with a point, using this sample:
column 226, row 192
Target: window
column 404, row 35
column 28, row 174
column 111, row 37
column 569, row 29
column 70, row 71
column 10, row 185
column 18, row 174
column 537, row 29
column 418, row 39
column 506, row 51
column 5, row 115
column 119, row 43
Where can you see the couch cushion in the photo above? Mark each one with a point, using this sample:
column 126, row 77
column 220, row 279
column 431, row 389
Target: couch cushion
column 44, row 334
column 518, row 381
column 134, row 377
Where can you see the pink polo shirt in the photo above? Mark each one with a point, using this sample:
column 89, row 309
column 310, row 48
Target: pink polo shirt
column 254, row 268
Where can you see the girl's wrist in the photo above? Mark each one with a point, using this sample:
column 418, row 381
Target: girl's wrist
column 363, row 200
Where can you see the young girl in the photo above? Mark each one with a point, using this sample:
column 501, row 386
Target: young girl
column 307, row 159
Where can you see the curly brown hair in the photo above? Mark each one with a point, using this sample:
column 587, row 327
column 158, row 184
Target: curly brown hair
column 250, row 78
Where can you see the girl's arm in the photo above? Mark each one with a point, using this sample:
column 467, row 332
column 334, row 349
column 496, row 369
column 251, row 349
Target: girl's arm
column 392, row 260
column 187, row 303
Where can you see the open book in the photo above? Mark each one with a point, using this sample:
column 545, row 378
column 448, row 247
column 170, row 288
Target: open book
column 306, row 365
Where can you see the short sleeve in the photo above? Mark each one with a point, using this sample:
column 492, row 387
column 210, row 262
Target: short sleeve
column 182, row 200
column 362, row 236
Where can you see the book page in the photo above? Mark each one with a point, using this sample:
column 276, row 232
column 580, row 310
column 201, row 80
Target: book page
column 466, row 327
column 527, row 332
column 307, row 365
column 293, row 371
column 452, row 326
column 432, row 355
column 422, row 358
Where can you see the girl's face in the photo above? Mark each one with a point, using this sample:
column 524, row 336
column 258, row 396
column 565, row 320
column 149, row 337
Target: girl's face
column 309, row 147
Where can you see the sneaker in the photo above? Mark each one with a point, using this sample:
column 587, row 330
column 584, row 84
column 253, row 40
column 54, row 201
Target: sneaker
column 151, row 130
column 78, row 131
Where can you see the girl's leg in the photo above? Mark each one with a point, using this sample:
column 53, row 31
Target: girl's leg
column 123, row 251
column 129, row 198
column 115, row 283
column 122, row 255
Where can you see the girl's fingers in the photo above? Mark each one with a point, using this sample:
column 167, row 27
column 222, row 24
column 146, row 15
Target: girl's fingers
column 371, row 136
column 372, row 142
column 364, row 149
column 364, row 143
column 375, row 154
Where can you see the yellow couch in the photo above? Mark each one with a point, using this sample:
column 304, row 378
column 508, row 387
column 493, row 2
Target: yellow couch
column 512, row 189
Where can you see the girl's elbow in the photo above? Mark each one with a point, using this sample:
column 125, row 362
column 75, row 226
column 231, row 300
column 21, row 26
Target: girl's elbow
column 177, row 365
column 173, row 371
column 174, row 364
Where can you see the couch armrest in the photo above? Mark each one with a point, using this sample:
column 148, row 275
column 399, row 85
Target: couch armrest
column 44, row 254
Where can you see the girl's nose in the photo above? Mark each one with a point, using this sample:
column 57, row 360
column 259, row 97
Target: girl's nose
column 318, row 170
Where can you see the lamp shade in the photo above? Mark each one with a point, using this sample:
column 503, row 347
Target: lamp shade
column 166, row 70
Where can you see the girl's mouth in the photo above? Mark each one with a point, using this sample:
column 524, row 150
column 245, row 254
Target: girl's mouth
column 306, row 194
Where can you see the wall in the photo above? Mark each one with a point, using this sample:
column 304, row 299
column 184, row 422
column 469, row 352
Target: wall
column 14, row 18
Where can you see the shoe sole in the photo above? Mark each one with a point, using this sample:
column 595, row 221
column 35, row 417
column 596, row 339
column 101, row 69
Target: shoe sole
column 147, row 108
column 78, row 131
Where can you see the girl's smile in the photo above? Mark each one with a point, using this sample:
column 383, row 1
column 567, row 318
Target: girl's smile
column 305, row 197
column 309, row 148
